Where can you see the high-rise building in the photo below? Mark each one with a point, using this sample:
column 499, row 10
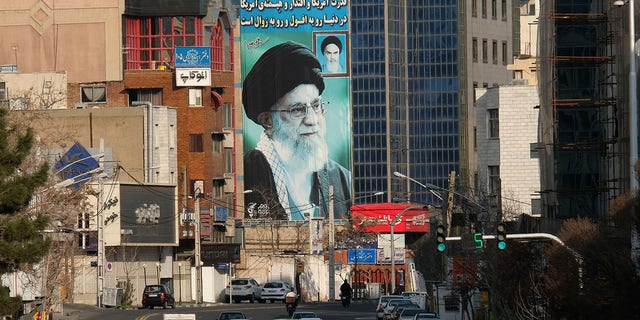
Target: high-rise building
column 584, row 119
column 415, row 65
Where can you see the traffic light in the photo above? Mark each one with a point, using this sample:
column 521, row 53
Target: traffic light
column 502, row 236
column 441, row 237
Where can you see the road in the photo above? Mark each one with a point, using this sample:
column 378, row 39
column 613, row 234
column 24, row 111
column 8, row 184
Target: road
column 359, row 310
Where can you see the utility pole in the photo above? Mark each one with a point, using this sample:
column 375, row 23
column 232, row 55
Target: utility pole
column 332, row 262
column 452, row 191
column 197, row 262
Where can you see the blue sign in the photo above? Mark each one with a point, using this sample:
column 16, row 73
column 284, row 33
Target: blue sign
column 220, row 214
column 77, row 164
column 192, row 57
column 361, row 256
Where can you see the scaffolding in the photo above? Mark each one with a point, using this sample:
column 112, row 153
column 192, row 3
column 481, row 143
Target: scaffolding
column 581, row 126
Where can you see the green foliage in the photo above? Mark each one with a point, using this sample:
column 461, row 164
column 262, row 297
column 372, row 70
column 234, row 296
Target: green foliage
column 607, row 283
column 9, row 305
column 21, row 241
column 21, row 236
column 127, row 294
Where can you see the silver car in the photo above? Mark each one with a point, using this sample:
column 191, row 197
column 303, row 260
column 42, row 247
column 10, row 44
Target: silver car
column 276, row 290
column 243, row 289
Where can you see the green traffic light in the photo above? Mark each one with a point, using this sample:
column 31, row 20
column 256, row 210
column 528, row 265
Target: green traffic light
column 441, row 247
column 502, row 245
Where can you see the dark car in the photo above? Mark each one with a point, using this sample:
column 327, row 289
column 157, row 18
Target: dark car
column 229, row 315
column 157, row 295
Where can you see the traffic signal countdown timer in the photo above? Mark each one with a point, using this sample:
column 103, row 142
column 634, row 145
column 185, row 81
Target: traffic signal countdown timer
column 441, row 237
column 501, row 236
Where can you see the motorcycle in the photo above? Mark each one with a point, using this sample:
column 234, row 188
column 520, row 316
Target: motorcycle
column 346, row 300
column 291, row 302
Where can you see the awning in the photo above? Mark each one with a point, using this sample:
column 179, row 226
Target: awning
column 377, row 217
column 216, row 99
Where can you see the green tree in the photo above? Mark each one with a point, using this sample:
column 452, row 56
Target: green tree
column 21, row 236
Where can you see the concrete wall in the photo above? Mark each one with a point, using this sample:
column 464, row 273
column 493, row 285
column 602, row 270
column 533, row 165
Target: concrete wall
column 81, row 37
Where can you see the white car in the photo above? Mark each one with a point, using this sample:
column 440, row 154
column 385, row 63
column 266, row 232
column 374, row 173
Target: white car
column 276, row 290
column 243, row 289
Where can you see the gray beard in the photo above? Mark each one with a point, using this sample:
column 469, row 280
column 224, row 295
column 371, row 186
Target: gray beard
column 297, row 150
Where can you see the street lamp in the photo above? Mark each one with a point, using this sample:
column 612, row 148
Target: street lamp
column 144, row 270
column 179, row 279
column 393, row 244
column 400, row 175
column 198, row 263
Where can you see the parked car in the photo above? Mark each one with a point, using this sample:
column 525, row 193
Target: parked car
column 157, row 295
column 425, row 316
column 389, row 311
column 276, row 290
column 243, row 289
column 304, row 315
column 407, row 313
column 382, row 301
column 229, row 315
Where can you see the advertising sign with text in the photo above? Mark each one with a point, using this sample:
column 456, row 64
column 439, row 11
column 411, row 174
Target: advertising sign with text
column 287, row 45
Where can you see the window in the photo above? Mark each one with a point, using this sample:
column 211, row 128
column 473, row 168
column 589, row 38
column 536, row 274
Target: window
column 485, row 51
column 4, row 101
column 196, row 186
column 152, row 95
column 221, row 47
column 195, row 142
column 494, row 179
column 475, row 86
column 228, row 160
column 218, row 185
column 216, row 139
column 172, row 136
column 94, row 94
column 150, row 41
column 492, row 123
column 228, row 115
column 494, row 9
column 503, row 9
column 3, row 91
column 195, row 96
column 504, row 53
column 484, row 9
column 494, row 51
column 474, row 49
column 474, row 8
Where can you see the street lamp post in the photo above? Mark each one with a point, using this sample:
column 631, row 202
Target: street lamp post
column 332, row 261
column 144, row 272
column 179, row 279
column 198, row 262
column 393, row 244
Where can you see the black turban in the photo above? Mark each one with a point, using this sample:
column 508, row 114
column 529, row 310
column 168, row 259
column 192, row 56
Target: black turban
column 329, row 40
column 278, row 71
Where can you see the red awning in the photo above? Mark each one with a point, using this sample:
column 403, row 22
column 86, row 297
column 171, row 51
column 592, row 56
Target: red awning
column 377, row 217
column 216, row 99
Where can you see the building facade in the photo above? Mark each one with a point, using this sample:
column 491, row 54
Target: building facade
column 415, row 66
column 584, row 126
